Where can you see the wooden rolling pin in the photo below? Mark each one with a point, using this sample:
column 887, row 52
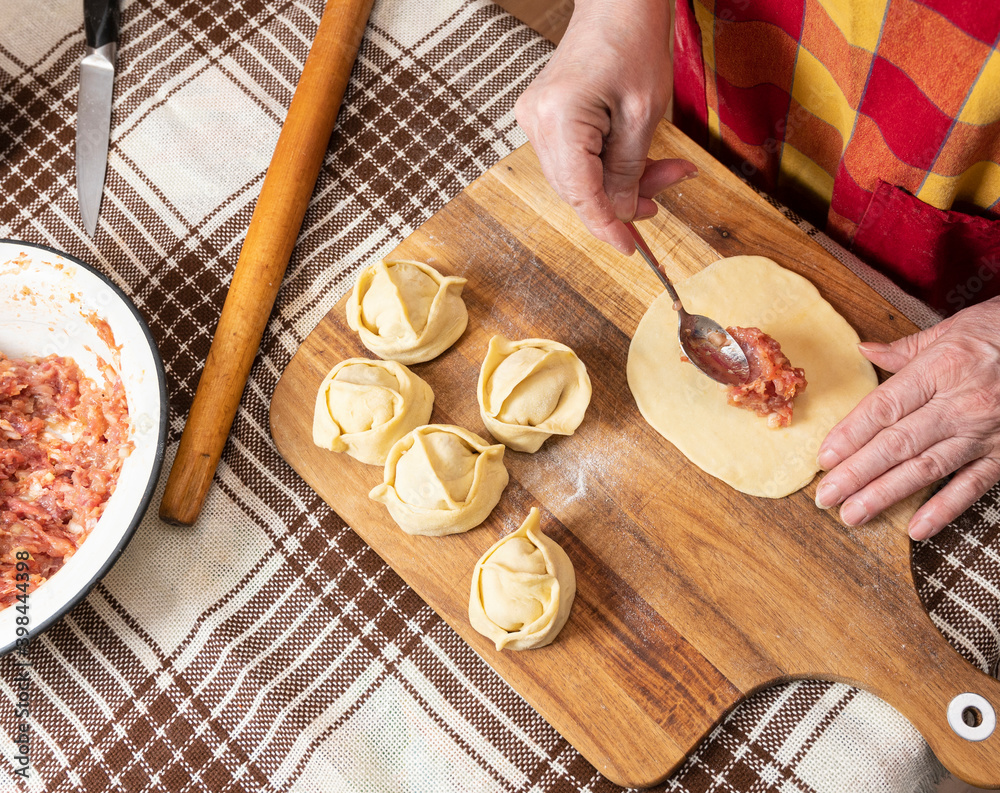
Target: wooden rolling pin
column 274, row 228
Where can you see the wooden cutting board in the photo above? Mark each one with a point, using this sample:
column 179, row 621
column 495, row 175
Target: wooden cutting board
column 691, row 595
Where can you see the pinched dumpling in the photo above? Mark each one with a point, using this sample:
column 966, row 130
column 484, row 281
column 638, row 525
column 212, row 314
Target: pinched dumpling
column 407, row 311
column 530, row 390
column 363, row 407
column 441, row 479
column 522, row 589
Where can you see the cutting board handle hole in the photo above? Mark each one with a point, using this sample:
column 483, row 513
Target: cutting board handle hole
column 972, row 717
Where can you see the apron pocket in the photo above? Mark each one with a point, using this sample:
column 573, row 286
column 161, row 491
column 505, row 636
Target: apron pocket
column 946, row 258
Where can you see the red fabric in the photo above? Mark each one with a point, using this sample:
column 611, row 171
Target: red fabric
column 690, row 107
column 849, row 198
column 912, row 240
column 913, row 128
column 750, row 112
column 785, row 14
column 975, row 17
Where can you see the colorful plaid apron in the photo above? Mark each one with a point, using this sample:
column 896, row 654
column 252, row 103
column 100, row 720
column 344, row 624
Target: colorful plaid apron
column 876, row 119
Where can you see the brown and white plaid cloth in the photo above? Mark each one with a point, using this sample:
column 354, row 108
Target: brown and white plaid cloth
column 268, row 648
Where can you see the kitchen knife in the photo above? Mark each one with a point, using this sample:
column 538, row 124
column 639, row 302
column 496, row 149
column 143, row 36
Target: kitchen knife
column 93, row 122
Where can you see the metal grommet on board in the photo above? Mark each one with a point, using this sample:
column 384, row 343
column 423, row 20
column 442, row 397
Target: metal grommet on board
column 972, row 717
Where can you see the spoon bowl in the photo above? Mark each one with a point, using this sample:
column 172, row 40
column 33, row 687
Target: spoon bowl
column 707, row 344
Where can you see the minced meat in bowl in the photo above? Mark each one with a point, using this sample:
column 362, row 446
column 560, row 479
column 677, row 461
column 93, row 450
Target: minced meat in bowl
column 63, row 440
column 83, row 413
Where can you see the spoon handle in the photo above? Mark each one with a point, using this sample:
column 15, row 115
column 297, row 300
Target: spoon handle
column 647, row 254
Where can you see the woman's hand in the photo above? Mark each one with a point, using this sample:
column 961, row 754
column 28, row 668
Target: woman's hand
column 938, row 414
column 591, row 112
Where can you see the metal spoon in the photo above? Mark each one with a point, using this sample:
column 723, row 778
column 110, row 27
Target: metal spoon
column 704, row 341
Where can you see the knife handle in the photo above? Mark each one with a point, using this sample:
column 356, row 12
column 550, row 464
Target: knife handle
column 100, row 20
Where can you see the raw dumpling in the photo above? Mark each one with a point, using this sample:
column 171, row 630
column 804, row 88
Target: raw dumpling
column 522, row 589
column 530, row 390
column 363, row 407
column 441, row 479
column 407, row 311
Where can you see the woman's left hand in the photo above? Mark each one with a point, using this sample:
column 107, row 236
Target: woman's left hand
column 938, row 414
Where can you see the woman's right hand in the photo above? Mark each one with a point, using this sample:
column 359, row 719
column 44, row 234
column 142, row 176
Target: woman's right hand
column 591, row 112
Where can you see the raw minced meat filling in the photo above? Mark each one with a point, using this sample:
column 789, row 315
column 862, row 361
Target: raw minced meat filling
column 63, row 438
column 774, row 382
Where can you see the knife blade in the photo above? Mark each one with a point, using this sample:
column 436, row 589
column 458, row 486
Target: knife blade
column 93, row 122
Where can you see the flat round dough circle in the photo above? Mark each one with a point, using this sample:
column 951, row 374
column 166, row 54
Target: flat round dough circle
column 690, row 410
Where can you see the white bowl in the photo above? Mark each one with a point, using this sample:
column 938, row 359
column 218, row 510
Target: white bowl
column 46, row 300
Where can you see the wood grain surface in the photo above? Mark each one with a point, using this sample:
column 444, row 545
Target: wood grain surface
column 691, row 595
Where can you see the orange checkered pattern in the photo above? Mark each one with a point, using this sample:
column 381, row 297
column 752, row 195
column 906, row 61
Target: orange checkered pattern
column 854, row 112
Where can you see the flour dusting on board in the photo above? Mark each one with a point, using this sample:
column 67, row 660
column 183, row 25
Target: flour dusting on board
column 576, row 478
column 519, row 297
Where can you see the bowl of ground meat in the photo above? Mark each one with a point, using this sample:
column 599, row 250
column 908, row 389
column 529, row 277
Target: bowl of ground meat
column 83, row 419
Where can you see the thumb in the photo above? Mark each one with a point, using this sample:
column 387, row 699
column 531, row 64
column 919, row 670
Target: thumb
column 893, row 357
column 624, row 159
column 657, row 177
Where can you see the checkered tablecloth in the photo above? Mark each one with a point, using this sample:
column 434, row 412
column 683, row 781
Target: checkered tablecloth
column 268, row 648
